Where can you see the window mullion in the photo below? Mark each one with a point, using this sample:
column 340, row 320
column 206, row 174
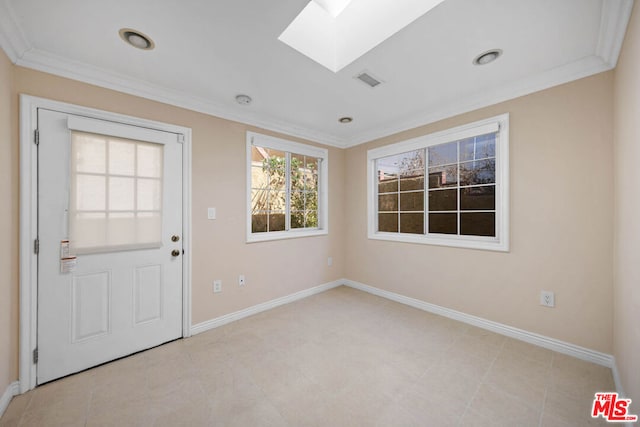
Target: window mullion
column 458, row 189
column 287, row 173
column 425, row 222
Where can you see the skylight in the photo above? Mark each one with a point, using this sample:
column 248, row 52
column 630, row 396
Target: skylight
column 335, row 33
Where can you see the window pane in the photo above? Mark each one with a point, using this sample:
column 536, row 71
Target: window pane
column 276, row 221
column 413, row 201
column 413, row 181
column 311, row 218
column 259, row 200
column 478, row 172
column 412, row 223
column 89, row 152
column 297, row 200
column 277, row 200
column 441, row 177
column 478, row 198
column 122, row 226
column 479, row 147
column 388, row 185
column 297, row 219
column 122, row 156
column 443, row 200
column 478, row 224
column 92, row 227
column 443, row 154
column 90, row 193
column 259, row 223
column 149, row 160
column 444, row 223
column 411, row 162
column 259, row 177
column 121, row 194
column 388, row 222
column 275, row 160
column 149, row 194
column 388, row 202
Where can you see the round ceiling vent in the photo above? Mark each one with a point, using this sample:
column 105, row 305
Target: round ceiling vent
column 243, row 99
column 136, row 39
column 487, row 57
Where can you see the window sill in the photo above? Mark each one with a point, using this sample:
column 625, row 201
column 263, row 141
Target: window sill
column 283, row 235
column 489, row 244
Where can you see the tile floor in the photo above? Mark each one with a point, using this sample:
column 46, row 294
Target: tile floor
column 340, row 358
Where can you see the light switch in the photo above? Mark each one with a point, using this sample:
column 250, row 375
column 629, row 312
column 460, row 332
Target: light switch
column 211, row 213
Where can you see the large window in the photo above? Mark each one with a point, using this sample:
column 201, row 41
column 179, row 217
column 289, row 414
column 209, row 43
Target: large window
column 286, row 195
column 448, row 188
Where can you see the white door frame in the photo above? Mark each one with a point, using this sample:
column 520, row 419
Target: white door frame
column 29, row 219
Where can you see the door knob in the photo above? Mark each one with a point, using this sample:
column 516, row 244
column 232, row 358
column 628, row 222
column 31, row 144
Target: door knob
column 175, row 253
column 175, row 238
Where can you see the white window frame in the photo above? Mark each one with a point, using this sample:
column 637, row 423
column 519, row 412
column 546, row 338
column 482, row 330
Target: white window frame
column 498, row 243
column 279, row 144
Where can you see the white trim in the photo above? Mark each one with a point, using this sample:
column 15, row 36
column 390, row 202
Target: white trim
column 563, row 347
column 13, row 389
column 250, row 311
column 498, row 243
column 12, row 39
column 616, row 378
column 267, row 141
column 28, row 224
column 615, row 16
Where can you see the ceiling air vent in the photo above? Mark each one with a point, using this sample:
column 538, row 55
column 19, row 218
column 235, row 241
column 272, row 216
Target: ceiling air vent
column 366, row 78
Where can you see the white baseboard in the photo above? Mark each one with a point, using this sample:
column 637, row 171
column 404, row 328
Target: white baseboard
column 616, row 378
column 519, row 334
column 12, row 390
column 241, row 314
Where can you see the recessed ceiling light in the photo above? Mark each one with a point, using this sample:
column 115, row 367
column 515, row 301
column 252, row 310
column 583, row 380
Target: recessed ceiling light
column 345, row 120
column 243, row 99
column 136, row 39
column 487, row 57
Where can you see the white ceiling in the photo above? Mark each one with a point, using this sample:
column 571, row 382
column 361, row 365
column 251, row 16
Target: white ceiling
column 208, row 51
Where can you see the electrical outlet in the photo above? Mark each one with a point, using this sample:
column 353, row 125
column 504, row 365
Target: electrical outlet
column 217, row 286
column 241, row 280
column 330, row 261
column 547, row 299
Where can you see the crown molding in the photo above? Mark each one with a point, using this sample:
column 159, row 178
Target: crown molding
column 614, row 19
column 573, row 71
column 53, row 64
column 613, row 24
column 12, row 39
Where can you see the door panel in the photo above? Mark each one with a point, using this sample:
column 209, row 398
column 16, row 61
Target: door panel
column 125, row 293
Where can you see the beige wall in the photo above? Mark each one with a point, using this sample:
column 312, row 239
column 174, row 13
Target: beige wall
column 8, row 229
column 626, row 331
column 561, row 223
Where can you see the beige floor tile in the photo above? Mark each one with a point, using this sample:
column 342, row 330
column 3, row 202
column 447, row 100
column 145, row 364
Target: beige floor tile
column 572, row 409
column 492, row 406
column 523, row 378
column 516, row 348
column 340, row 358
column 14, row 412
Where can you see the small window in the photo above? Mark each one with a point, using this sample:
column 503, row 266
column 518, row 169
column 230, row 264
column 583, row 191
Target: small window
column 286, row 194
column 448, row 188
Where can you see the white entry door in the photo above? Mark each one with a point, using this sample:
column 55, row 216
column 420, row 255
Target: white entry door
column 110, row 241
